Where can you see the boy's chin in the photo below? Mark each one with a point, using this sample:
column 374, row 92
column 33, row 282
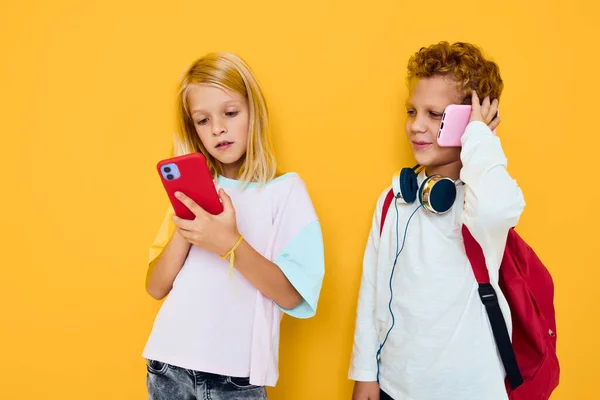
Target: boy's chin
column 433, row 159
column 424, row 161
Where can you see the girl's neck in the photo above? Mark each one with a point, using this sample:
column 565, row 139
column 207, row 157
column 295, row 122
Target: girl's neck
column 231, row 171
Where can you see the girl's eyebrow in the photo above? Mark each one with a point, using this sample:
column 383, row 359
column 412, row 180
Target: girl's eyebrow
column 227, row 103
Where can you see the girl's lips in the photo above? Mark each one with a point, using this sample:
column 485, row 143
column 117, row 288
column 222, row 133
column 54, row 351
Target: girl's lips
column 223, row 145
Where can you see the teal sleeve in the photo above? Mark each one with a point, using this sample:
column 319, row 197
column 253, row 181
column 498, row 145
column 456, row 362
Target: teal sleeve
column 302, row 262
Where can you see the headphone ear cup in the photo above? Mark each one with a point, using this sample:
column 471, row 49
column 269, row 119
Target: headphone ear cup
column 409, row 185
column 437, row 194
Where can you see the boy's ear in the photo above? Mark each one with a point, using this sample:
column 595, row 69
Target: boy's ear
column 466, row 100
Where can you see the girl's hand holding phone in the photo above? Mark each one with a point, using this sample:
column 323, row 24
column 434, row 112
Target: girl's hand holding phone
column 214, row 233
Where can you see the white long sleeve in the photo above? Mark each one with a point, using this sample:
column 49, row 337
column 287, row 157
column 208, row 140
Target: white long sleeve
column 493, row 200
column 364, row 364
column 441, row 346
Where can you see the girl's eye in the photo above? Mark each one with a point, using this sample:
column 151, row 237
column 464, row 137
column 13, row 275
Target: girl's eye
column 202, row 121
column 411, row 112
column 231, row 113
column 435, row 115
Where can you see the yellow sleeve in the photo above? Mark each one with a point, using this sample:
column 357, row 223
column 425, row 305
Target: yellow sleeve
column 166, row 231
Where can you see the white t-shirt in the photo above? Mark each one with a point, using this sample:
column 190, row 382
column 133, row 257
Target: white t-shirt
column 209, row 323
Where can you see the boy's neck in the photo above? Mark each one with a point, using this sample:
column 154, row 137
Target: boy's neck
column 451, row 171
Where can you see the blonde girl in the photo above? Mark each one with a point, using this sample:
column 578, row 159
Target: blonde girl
column 214, row 338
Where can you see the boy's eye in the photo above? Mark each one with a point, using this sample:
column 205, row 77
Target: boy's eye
column 435, row 115
column 231, row 113
column 411, row 112
column 202, row 121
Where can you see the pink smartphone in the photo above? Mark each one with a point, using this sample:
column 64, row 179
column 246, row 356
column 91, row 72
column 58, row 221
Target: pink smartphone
column 189, row 174
column 454, row 123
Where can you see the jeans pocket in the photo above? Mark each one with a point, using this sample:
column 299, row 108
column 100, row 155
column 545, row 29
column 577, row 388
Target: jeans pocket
column 157, row 367
column 240, row 383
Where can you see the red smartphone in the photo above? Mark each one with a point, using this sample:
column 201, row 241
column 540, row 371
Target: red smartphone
column 454, row 123
column 189, row 174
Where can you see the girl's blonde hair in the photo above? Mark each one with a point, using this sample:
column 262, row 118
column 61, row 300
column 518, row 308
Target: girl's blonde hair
column 228, row 71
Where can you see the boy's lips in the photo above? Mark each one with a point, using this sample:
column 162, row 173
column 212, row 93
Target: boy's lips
column 420, row 145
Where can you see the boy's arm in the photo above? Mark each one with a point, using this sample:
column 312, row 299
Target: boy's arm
column 366, row 341
column 493, row 200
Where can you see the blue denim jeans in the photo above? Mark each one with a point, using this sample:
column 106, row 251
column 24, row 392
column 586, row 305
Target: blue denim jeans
column 167, row 382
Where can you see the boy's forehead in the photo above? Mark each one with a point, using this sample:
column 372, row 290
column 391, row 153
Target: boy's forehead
column 433, row 91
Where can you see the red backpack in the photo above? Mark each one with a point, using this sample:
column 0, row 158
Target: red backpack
column 530, row 361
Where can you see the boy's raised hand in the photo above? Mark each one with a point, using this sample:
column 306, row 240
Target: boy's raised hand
column 485, row 111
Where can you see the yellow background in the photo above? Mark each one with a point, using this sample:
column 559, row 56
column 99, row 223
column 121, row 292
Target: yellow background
column 86, row 111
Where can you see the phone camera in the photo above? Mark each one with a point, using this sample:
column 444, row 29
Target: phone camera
column 169, row 177
column 167, row 169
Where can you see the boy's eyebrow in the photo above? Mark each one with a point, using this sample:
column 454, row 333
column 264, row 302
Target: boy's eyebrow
column 428, row 107
column 435, row 108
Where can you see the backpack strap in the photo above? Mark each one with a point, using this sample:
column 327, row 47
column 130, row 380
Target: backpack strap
column 488, row 297
column 386, row 206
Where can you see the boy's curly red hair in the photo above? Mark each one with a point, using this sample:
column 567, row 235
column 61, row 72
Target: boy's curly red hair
column 464, row 62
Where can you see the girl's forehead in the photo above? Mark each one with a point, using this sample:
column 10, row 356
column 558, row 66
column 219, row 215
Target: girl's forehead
column 206, row 95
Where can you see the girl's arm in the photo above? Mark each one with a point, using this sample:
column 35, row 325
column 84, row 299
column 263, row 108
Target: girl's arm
column 266, row 276
column 218, row 234
column 163, row 271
